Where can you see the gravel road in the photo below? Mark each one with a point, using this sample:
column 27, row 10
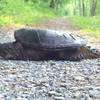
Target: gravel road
column 48, row 80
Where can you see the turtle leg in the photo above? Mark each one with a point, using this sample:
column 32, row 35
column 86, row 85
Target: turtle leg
column 31, row 54
column 71, row 55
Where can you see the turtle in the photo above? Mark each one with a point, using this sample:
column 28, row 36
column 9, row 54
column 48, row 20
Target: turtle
column 46, row 44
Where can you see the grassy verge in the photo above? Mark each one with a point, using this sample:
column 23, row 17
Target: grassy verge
column 91, row 25
column 26, row 19
column 19, row 13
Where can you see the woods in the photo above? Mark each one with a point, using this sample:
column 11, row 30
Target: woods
column 93, row 7
column 86, row 7
column 80, row 7
column 75, row 7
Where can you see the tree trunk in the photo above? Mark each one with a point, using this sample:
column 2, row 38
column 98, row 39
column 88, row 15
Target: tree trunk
column 74, row 7
column 83, row 8
column 93, row 7
column 52, row 3
column 55, row 4
column 80, row 8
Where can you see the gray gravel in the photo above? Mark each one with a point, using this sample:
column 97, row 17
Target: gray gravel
column 49, row 80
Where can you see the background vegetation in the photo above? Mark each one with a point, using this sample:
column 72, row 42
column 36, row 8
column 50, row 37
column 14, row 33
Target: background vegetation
column 83, row 13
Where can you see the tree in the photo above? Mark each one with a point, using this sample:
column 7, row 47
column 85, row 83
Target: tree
column 55, row 3
column 93, row 7
column 83, row 8
column 80, row 7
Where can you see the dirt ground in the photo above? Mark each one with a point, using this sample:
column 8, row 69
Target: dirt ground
column 57, row 24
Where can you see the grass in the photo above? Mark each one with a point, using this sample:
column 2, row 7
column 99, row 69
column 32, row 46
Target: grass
column 91, row 25
column 26, row 19
column 22, row 13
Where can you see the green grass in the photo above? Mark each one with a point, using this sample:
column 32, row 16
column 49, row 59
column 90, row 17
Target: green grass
column 26, row 19
column 91, row 25
column 18, row 12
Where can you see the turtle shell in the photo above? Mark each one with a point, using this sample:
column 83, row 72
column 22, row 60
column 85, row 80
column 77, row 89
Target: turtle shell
column 48, row 39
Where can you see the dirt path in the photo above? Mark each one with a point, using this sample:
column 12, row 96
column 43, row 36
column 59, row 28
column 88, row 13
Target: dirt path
column 57, row 24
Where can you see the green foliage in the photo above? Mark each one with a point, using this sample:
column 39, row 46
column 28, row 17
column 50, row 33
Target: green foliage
column 88, row 24
column 21, row 12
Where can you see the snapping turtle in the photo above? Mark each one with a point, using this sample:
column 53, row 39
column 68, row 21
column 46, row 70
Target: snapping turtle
column 49, row 40
column 39, row 44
